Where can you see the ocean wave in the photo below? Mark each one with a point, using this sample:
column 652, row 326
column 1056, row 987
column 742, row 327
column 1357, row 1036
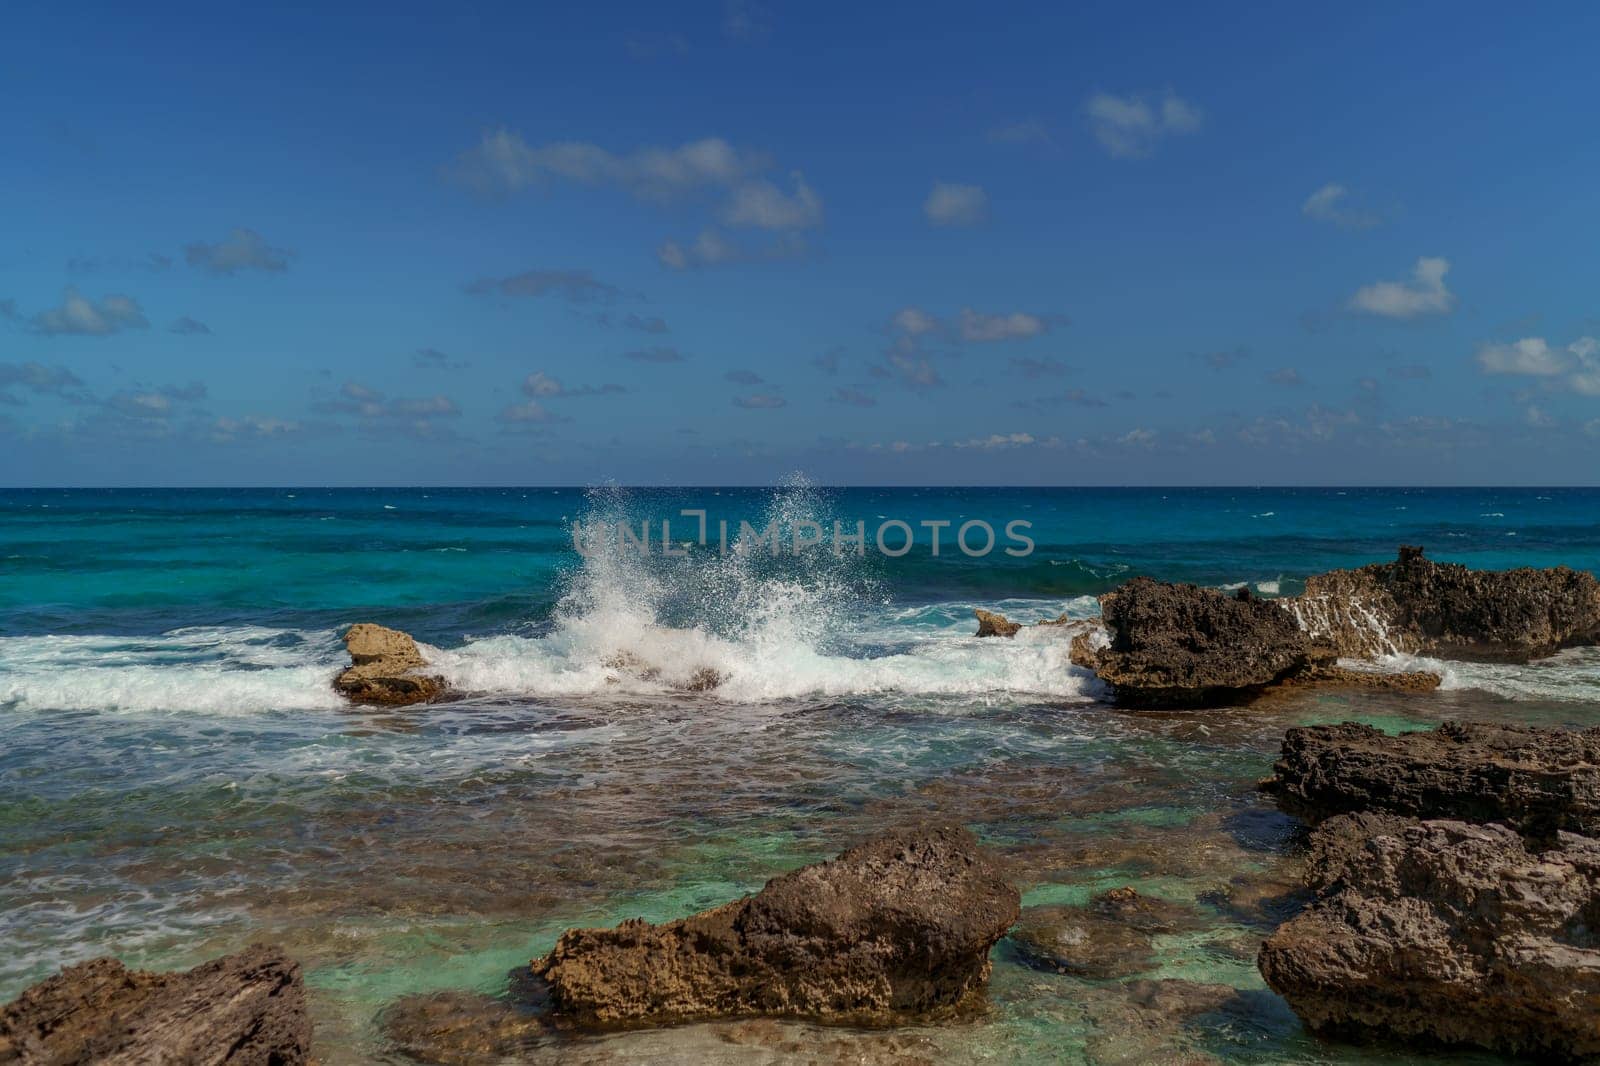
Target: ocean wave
column 212, row 668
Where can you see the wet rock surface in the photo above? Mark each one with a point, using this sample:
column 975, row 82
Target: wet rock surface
column 1446, row 932
column 247, row 1009
column 1108, row 938
column 994, row 624
column 466, row 1028
column 1417, row 605
column 1536, row 780
column 1185, row 646
column 383, row 670
column 898, row 926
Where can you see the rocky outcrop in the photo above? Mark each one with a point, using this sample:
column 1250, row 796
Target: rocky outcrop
column 1416, row 605
column 899, row 926
column 1446, row 932
column 1183, row 645
column 384, row 668
column 1535, row 780
column 247, row 1009
column 993, row 624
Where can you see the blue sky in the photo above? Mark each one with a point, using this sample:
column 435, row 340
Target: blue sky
column 719, row 242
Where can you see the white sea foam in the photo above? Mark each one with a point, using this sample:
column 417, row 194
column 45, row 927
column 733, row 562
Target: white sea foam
column 217, row 669
column 771, row 628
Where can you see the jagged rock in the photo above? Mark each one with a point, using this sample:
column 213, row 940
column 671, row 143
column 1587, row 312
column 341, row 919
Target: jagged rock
column 247, row 1009
column 1182, row 645
column 1336, row 676
column 1537, row 780
column 702, row 680
column 1108, row 938
column 993, row 624
column 1416, row 605
column 384, row 665
column 1446, row 932
column 898, row 926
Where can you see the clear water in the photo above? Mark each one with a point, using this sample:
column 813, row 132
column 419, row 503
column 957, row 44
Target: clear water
column 176, row 777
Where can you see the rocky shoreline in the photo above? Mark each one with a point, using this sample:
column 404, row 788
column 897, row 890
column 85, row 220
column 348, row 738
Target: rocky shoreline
column 1452, row 876
column 1165, row 646
column 1456, row 902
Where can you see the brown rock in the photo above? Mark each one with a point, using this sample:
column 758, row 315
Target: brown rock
column 899, row 926
column 1445, row 932
column 1536, row 780
column 463, row 1028
column 247, row 1009
column 384, row 665
column 1184, row 646
column 991, row 624
column 1416, row 605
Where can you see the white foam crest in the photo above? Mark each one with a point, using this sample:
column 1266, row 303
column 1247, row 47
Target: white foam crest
column 1327, row 616
column 1569, row 676
column 653, row 660
column 769, row 628
column 221, row 669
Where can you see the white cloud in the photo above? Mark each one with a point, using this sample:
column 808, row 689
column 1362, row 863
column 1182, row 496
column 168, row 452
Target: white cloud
column 252, row 427
column 504, row 162
column 1575, row 367
column 996, row 441
column 539, row 383
column 243, row 249
column 80, row 315
column 914, row 321
column 521, row 413
column 1530, row 356
column 762, row 204
column 713, row 248
column 979, row 328
column 1424, row 294
column 956, row 205
column 575, row 286
column 1331, row 203
column 1129, row 127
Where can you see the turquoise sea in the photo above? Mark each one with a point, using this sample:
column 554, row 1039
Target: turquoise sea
column 177, row 777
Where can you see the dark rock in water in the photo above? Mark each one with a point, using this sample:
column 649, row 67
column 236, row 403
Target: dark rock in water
column 1182, row 645
column 1336, row 676
column 899, row 926
column 247, row 1009
column 1420, row 606
column 462, row 1028
column 1536, row 780
column 1108, row 938
column 384, row 665
column 991, row 624
column 1445, row 932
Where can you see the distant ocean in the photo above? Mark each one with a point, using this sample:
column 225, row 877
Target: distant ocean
column 178, row 777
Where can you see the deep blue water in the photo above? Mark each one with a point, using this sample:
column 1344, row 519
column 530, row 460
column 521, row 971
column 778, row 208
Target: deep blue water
column 451, row 561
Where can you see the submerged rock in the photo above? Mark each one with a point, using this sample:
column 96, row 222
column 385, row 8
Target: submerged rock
column 463, row 1028
column 1536, row 780
column 1446, row 932
column 1183, row 645
column 898, row 926
column 247, row 1009
column 384, row 665
column 994, row 624
column 1108, row 938
column 1416, row 605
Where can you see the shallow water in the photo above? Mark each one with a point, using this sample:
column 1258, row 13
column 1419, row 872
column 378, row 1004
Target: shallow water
column 177, row 779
